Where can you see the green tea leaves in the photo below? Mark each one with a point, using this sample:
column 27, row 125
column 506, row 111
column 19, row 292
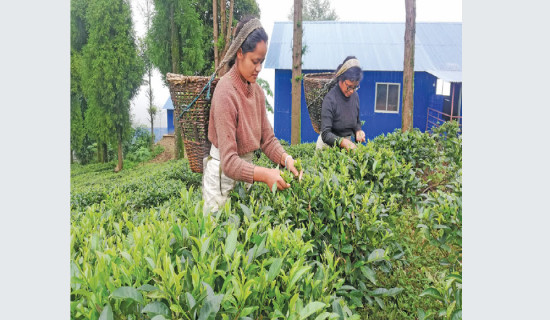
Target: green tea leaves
column 210, row 307
column 231, row 242
column 127, row 293
column 147, row 288
column 310, row 309
column 431, row 292
column 274, row 269
column 246, row 211
column 369, row 274
column 348, row 248
column 156, row 308
column 377, row 255
column 107, row 313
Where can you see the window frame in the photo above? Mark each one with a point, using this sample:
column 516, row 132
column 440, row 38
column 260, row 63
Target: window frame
column 387, row 97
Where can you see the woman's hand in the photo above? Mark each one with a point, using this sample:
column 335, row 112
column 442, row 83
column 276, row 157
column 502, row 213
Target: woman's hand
column 345, row 143
column 290, row 165
column 270, row 177
column 360, row 136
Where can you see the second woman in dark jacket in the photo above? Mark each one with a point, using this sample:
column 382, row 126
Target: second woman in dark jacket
column 340, row 109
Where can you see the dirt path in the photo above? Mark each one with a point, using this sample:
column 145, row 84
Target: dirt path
column 169, row 144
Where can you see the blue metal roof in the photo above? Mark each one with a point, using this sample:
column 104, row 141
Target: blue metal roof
column 379, row 46
column 168, row 105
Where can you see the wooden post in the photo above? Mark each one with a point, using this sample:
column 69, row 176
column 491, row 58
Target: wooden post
column 408, row 66
column 296, row 73
column 452, row 99
column 459, row 104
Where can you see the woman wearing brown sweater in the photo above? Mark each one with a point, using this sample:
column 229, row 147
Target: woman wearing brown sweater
column 239, row 125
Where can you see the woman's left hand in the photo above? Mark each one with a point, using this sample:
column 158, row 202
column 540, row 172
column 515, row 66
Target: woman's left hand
column 360, row 136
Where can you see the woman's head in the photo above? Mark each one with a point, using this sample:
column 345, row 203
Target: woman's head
column 252, row 52
column 349, row 80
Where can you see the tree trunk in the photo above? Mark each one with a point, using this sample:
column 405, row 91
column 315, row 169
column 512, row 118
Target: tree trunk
column 175, row 50
column 72, row 160
column 226, row 26
column 296, row 73
column 222, row 23
column 105, row 153
column 228, row 36
column 175, row 69
column 215, row 18
column 119, row 143
column 179, row 152
column 152, row 135
column 408, row 66
column 229, row 27
column 151, row 115
column 99, row 158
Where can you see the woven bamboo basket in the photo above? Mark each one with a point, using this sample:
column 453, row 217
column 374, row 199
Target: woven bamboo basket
column 316, row 86
column 194, row 121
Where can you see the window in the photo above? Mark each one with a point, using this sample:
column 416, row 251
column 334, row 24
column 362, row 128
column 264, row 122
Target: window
column 443, row 87
column 387, row 97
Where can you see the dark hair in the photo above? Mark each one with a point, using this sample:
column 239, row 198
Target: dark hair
column 252, row 40
column 352, row 74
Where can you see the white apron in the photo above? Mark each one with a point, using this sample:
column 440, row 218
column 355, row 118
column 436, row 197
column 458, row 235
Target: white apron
column 216, row 186
column 322, row 145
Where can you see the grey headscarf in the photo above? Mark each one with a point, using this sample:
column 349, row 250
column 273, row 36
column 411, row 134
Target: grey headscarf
column 237, row 42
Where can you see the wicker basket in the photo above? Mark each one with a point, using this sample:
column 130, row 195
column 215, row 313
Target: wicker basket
column 316, row 86
column 194, row 122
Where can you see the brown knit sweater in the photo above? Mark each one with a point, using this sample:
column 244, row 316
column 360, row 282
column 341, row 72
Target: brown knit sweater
column 239, row 124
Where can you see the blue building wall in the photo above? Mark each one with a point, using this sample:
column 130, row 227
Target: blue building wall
column 170, row 120
column 159, row 132
column 375, row 123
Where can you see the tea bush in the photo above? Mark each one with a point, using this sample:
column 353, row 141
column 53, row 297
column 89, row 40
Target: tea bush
column 413, row 146
column 178, row 263
column 343, row 202
column 143, row 187
column 370, row 233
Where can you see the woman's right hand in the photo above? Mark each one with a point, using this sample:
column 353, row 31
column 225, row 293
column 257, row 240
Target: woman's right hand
column 270, row 177
column 347, row 144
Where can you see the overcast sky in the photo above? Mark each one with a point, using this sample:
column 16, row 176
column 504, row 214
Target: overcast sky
column 271, row 11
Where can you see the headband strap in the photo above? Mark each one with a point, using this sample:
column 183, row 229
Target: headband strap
column 346, row 66
column 237, row 42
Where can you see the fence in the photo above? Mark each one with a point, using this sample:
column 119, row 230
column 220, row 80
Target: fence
column 435, row 118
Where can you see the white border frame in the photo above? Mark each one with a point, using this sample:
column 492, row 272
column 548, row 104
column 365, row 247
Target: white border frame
column 398, row 97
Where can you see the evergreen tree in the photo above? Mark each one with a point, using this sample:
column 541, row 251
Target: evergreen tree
column 79, row 37
column 176, row 38
column 112, row 71
column 315, row 10
column 241, row 8
column 176, row 44
column 78, row 104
